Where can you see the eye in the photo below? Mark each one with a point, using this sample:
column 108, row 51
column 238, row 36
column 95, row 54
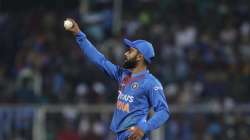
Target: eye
column 130, row 50
column 133, row 49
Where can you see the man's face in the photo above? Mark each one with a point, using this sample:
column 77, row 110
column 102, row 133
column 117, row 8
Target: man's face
column 131, row 58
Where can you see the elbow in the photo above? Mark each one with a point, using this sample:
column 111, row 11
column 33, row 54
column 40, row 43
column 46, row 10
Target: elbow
column 166, row 114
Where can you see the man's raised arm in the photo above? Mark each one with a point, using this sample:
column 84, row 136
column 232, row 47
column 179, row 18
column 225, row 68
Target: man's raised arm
column 93, row 54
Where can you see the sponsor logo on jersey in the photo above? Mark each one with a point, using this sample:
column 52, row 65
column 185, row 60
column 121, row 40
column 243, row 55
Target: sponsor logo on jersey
column 157, row 88
column 135, row 85
column 125, row 97
column 122, row 106
column 123, row 101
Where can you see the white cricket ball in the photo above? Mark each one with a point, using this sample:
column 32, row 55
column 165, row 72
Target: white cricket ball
column 68, row 24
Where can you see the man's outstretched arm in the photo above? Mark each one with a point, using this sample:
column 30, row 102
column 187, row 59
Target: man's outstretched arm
column 161, row 114
column 92, row 53
column 161, row 110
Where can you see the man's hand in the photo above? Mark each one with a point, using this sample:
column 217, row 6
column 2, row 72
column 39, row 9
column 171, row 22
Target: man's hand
column 137, row 133
column 75, row 28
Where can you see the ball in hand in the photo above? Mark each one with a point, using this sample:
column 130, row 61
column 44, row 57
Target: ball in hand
column 68, row 24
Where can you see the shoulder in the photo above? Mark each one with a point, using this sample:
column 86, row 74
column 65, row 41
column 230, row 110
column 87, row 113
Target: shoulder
column 153, row 83
column 122, row 72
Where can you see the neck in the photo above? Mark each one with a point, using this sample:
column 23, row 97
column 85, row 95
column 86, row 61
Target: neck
column 138, row 69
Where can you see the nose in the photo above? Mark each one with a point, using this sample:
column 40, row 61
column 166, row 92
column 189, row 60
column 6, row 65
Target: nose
column 126, row 54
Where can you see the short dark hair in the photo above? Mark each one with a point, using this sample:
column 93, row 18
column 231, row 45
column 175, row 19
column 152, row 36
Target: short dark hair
column 146, row 62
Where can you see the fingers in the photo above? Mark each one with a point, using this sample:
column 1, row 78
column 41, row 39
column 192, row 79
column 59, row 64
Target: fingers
column 74, row 24
column 75, row 28
column 132, row 129
column 134, row 137
column 72, row 20
column 131, row 137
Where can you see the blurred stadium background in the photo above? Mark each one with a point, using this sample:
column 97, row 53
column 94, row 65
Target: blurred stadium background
column 49, row 91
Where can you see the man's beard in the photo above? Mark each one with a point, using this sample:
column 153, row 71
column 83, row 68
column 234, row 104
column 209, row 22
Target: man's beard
column 130, row 64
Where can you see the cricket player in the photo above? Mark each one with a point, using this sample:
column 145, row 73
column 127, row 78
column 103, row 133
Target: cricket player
column 138, row 89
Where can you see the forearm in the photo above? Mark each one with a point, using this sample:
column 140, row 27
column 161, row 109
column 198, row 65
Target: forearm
column 158, row 119
column 96, row 57
column 88, row 49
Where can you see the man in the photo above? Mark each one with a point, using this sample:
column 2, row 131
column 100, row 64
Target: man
column 138, row 89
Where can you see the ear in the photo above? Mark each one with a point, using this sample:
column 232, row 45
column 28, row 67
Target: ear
column 140, row 57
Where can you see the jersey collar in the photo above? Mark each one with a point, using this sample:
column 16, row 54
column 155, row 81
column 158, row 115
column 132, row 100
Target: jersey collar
column 140, row 73
column 128, row 72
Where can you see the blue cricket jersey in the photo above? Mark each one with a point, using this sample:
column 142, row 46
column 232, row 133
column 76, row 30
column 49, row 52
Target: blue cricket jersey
column 136, row 95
